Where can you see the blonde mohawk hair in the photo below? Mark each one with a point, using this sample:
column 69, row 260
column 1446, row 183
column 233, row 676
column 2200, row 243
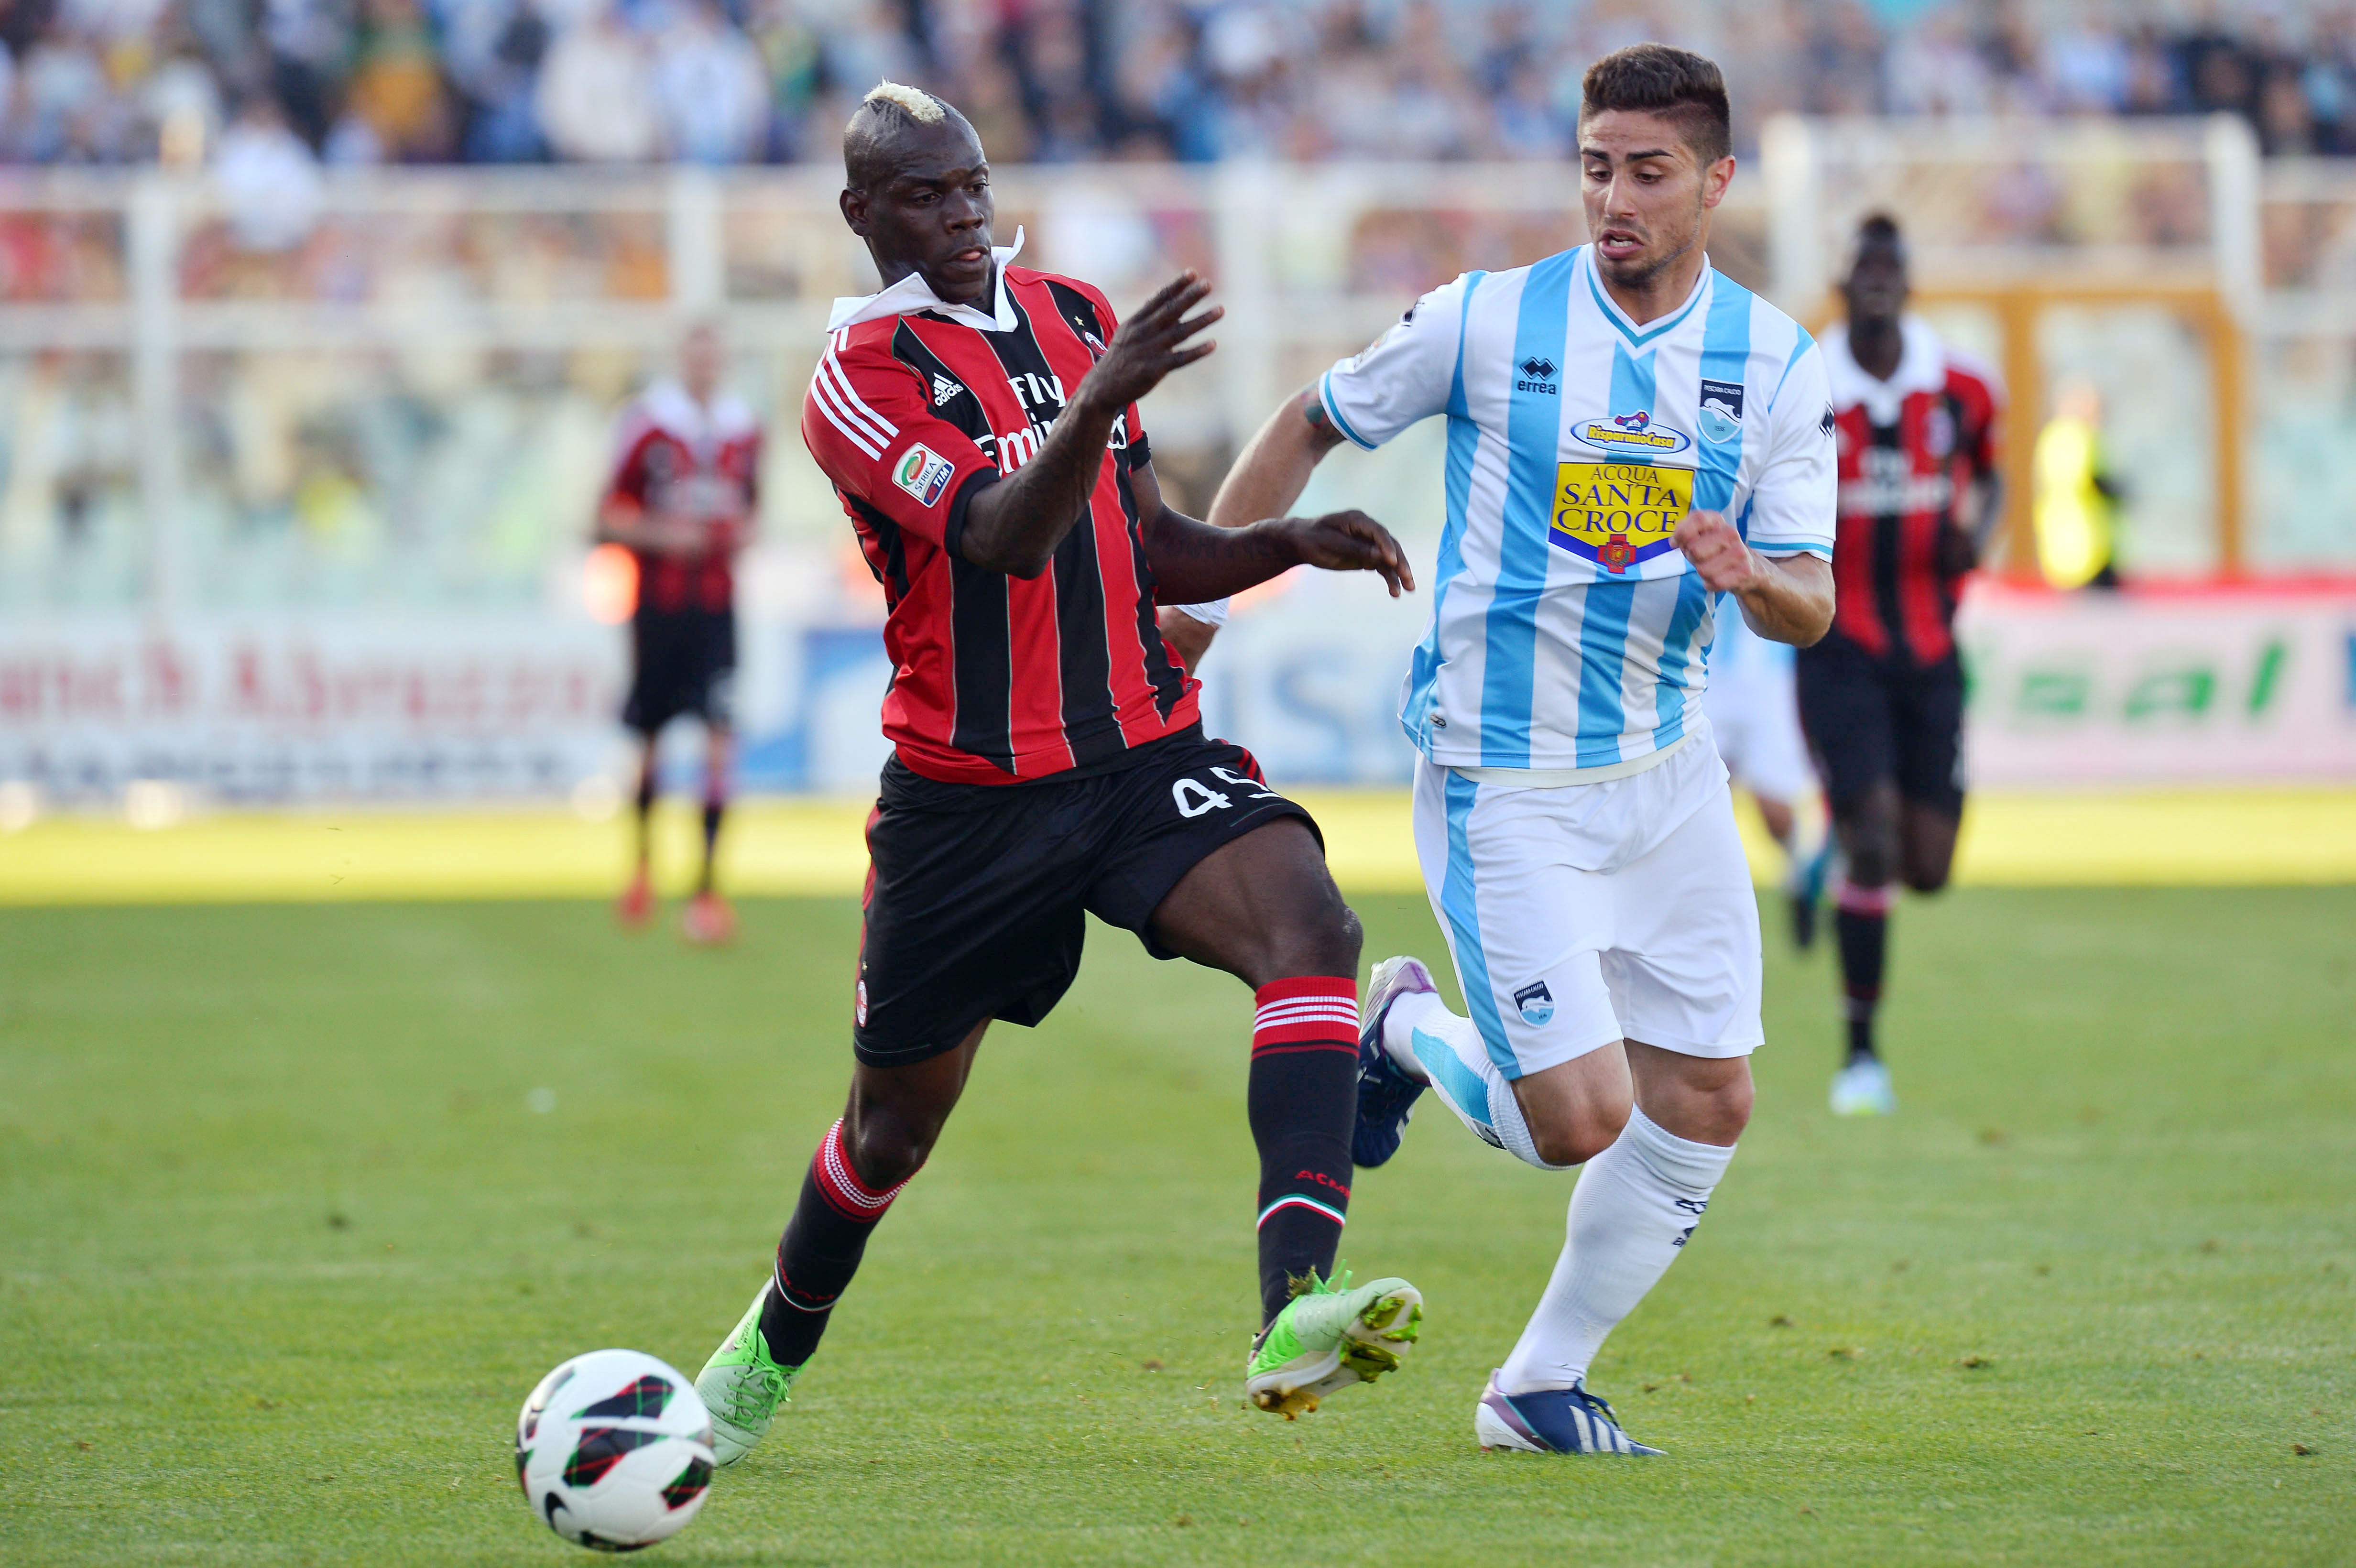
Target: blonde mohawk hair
column 920, row 105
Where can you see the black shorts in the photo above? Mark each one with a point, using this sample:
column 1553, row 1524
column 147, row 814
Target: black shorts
column 681, row 662
column 1870, row 721
column 977, row 895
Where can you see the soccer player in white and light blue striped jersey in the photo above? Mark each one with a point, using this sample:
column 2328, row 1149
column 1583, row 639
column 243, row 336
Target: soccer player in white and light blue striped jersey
column 1630, row 433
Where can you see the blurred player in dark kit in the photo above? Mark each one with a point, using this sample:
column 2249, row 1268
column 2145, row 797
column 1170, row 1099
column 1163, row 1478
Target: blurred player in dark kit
column 1881, row 696
column 683, row 499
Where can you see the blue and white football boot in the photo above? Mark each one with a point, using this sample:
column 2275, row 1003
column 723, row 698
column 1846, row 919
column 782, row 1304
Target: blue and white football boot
column 1862, row 1089
column 1550, row 1421
column 1386, row 1095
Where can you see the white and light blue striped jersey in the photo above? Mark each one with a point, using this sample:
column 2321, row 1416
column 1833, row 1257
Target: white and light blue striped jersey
column 1566, row 631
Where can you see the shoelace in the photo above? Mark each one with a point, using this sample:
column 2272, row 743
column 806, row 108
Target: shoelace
column 743, row 1405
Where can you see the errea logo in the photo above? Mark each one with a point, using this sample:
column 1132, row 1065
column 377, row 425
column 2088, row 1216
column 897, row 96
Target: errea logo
column 1537, row 376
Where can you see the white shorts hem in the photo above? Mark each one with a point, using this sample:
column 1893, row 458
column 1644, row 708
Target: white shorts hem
column 1528, row 1063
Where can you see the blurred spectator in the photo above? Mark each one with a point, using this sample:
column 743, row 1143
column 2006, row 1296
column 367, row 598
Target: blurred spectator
column 309, row 44
column 494, row 50
column 595, row 102
column 710, row 88
column 267, row 177
column 394, row 100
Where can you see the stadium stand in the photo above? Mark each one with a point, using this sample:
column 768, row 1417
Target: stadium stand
column 732, row 81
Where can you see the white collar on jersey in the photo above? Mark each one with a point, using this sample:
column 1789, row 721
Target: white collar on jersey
column 1641, row 334
column 912, row 296
column 667, row 405
column 1921, row 367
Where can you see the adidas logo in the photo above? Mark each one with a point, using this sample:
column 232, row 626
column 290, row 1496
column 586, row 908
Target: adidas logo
column 944, row 389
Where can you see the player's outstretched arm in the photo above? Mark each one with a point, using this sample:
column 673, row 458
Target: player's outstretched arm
column 1275, row 466
column 1265, row 482
column 1785, row 598
column 1014, row 526
column 622, row 521
column 1192, row 561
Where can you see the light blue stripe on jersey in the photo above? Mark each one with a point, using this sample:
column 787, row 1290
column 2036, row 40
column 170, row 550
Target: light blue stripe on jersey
column 1677, row 658
column 1463, row 441
column 1532, row 439
column 1725, row 356
column 1325, row 397
column 1457, row 900
column 1607, row 602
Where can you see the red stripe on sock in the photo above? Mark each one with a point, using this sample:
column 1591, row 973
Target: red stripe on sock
column 1865, row 900
column 840, row 1185
column 1309, row 1010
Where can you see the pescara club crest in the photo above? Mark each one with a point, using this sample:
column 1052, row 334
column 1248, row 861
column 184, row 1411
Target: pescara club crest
column 1537, row 1004
column 1721, row 411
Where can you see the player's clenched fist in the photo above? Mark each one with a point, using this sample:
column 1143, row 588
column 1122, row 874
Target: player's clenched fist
column 1152, row 342
column 1349, row 542
column 1720, row 557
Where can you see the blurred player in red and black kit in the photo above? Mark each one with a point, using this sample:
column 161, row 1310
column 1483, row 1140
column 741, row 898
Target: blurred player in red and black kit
column 1881, row 696
column 978, row 421
column 683, row 499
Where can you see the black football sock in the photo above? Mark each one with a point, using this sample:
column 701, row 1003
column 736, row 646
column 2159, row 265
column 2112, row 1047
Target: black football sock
column 714, row 808
column 1861, row 920
column 646, row 813
column 1302, row 1098
column 820, row 1251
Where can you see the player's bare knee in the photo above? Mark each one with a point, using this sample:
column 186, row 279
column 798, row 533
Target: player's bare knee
column 1575, row 1133
column 886, row 1150
column 1576, row 1143
column 1322, row 940
column 1872, row 863
column 1926, row 878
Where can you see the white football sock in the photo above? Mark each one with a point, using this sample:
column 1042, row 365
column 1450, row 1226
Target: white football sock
column 1431, row 1043
column 1636, row 1204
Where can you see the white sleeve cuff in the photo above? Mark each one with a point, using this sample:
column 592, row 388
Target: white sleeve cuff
column 1213, row 613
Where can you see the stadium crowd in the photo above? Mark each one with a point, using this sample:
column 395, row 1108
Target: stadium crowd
column 356, row 81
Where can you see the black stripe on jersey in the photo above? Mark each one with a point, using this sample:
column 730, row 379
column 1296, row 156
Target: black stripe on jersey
column 1084, row 666
column 882, row 547
column 1168, row 681
column 982, row 648
column 1888, row 543
column 984, row 652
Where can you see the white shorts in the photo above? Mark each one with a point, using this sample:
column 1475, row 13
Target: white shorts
column 1755, row 710
column 1588, row 913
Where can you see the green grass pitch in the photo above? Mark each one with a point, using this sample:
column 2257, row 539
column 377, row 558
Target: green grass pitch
column 282, row 1245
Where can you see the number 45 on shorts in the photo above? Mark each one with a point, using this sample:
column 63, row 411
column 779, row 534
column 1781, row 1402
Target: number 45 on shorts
column 1195, row 797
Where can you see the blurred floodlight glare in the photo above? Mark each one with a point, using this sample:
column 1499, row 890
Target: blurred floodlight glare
column 20, row 804
column 152, row 804
column 609, row 584
column 596, row 798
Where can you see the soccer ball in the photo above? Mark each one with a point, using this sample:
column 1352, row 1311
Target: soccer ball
column 614, row 1450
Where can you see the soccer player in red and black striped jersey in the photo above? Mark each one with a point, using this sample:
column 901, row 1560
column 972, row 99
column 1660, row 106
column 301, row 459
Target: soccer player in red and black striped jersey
column 1881, row 696
column 683, row 499
column 979, row 423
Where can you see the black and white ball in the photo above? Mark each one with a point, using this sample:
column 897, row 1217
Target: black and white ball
column 614, row 1450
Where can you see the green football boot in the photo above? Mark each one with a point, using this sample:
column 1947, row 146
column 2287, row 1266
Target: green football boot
column 1329, row 1339
column 742, row 1387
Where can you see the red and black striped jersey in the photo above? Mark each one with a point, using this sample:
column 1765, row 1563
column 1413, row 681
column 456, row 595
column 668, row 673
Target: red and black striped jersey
column 1910, row 449
column 675, row 455
column 994, row 678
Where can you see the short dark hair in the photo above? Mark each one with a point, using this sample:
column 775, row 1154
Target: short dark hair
column 1879, row 229
column 1661, row 79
